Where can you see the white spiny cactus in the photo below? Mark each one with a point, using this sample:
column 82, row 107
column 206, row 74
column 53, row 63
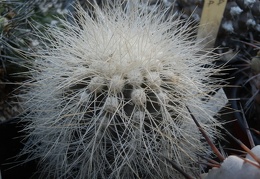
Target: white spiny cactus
column 109, row 94
column 235, row 167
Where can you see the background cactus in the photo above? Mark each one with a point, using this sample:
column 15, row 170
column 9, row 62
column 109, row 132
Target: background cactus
column 108, row 95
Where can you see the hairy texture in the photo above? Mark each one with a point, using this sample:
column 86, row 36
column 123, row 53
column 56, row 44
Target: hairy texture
column 109, row 94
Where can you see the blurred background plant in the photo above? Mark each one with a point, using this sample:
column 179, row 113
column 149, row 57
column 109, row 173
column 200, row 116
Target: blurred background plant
column 247, row 78
column 14, row 34
column 17, row 20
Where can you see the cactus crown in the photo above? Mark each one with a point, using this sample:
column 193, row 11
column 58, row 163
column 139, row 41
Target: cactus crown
column 110, row 91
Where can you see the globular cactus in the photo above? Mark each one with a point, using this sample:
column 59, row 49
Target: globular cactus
column 108, row 95
column 237, row 167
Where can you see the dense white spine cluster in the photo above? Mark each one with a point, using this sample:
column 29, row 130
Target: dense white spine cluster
column 109, row 95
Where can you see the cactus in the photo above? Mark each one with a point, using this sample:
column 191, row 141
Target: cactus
column 108, row 95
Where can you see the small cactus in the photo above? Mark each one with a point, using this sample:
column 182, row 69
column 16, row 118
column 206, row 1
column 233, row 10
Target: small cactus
column 236, row 167
column 108, row 95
